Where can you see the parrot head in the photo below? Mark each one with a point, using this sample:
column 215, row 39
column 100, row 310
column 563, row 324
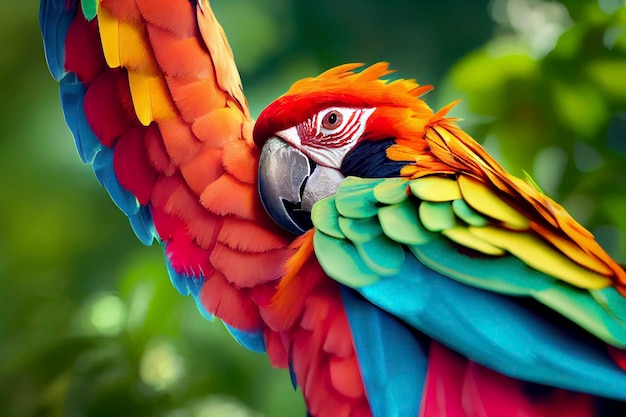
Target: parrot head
column 324, row 129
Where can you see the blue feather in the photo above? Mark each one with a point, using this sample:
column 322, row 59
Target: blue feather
column 143, row 226
column 203, row 312
column 253, row 341
column 55, row 20
column 186, row 284
column 497, row 332
column 105, row 173
column 392, row 361
column 179, row 281
column 72, row 100
column 292, row 376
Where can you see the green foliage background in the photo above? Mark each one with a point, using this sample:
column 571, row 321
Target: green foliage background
column 89, row 323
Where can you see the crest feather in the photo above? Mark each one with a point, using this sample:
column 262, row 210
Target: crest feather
column 341, row 86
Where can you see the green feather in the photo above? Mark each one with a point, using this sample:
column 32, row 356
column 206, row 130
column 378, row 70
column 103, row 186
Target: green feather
column 611, row 300
column 360, row 230
column 90, row 8
column 355, row 198
column 505, row 275
column 400, row 222
column 509, row 275
column 391, row 191
column 325, row 217
column 580, row 307
column 468, row 214
column 340, row 260
column 382, row 255
column 436, row 216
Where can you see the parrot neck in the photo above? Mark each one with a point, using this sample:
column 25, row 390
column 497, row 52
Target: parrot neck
column 369, row 160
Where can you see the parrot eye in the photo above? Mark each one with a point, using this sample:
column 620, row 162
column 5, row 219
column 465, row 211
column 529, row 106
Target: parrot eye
column 332, row 120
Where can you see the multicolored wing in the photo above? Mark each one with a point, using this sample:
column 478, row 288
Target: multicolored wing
column 484, row 269
column 152, row 96
column 155, row 104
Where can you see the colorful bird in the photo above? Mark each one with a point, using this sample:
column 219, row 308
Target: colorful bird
column 359, row 238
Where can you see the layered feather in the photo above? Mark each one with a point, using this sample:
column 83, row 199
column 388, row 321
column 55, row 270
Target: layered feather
column 128, row 77
column 154, row 101
column 457, row 218
column 458, row 250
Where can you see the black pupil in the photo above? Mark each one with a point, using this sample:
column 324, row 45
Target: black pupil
column 332, row 118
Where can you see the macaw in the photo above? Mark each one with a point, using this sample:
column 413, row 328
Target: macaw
column 359, row 238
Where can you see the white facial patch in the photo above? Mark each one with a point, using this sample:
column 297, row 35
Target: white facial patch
column 329, row 134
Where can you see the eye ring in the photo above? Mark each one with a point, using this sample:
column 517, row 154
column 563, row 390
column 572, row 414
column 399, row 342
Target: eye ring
column 332, row 120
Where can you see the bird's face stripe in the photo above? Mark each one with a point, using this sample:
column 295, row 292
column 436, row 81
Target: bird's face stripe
column 348, row 130
column 313, row 135
column 328, row 135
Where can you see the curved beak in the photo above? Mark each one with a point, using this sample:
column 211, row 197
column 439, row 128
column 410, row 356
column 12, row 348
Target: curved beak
column 290, row 184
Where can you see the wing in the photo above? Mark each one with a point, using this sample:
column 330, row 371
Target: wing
column 155, row 105
column 481, row 262
column 152, row 96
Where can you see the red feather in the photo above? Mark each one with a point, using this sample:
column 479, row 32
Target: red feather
column 458, row 387
column 83, row 52
column 106, row 115
column 159, row 158
column 230, row 304
column 132, row 167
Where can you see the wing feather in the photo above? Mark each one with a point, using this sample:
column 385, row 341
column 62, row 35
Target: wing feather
column 158, row 107
column 547, row 219
column 492, row 253
column 148, row 103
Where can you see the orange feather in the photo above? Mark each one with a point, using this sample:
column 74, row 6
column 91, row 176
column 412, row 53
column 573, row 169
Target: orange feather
column 219, row 127
column 245, row 270
column 230, row 304
column 229, row 196
column 240, row 160
column 180, row 57
column 180, row 142
column 159, row 14
column 203, row 169
column 126, row 11
column 248, row 236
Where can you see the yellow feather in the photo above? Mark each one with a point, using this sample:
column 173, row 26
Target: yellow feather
column 464, row 237
column 435, row 189
column 140, row 92
column 541, row 256
column 150, row 97
column 485, row 201
column 110, row 37
column 160, row 99
column 134, row 51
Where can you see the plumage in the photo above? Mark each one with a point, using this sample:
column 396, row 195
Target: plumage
column 433, row 283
